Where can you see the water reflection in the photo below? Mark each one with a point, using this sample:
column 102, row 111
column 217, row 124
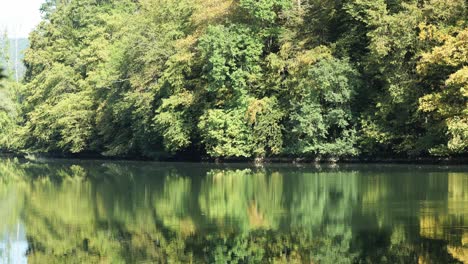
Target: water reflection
column 127, row 212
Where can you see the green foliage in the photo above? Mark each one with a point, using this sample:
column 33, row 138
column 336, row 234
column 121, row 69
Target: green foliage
column 321, row 118
column 265, row 10
column 225, row 133
column 265, row 118
column 7, row 121
column 244, row 78
column 172, row 120
column 232, row 57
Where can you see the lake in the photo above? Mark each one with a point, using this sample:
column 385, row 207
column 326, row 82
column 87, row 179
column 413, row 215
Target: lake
column 71, row 211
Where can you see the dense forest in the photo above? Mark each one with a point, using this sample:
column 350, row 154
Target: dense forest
column 243, row 78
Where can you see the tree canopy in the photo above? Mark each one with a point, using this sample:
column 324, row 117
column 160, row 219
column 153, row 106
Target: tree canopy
column 245, row 79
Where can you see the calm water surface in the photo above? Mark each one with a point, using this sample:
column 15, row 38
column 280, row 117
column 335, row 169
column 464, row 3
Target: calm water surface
column 137, row 212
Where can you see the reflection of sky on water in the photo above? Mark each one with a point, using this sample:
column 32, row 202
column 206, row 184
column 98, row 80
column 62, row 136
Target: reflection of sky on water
column 13, row 246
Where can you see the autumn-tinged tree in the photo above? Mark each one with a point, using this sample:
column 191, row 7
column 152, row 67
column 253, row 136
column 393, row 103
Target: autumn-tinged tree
column 446, row 105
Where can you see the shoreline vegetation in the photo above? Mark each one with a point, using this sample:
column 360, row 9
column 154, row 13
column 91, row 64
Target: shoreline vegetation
column 243, row 80
column 460, row 160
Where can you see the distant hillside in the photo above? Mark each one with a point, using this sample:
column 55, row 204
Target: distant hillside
column 10, row 66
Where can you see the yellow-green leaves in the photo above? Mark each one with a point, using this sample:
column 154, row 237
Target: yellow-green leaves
column 265, row 119
column 174, row 122
column 447, row 103
column 225, row 133
column 453, row 53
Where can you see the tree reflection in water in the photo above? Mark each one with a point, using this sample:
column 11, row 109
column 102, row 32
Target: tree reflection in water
column 127, row 212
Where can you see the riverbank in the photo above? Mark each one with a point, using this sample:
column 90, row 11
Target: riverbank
column 460, row 160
